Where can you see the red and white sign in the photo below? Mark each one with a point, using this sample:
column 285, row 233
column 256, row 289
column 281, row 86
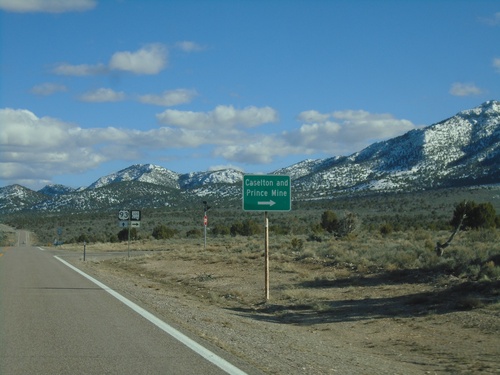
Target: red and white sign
column 205, row 220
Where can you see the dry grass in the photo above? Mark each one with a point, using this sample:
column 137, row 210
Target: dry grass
column 231, row 269
column 388, row 294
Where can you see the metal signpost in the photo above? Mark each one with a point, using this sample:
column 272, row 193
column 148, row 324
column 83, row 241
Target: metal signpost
column 128, row 219
column 266, row 193
column 206, row 207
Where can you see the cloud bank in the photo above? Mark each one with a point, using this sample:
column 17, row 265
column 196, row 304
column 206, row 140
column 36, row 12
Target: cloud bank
column 47, row 6
column 42, row 147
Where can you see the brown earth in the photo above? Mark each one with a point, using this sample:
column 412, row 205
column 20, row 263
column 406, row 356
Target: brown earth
column 320, row 319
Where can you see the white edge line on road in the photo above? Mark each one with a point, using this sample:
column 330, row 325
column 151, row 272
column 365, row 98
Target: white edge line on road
column 193, row 345
column 42, row 249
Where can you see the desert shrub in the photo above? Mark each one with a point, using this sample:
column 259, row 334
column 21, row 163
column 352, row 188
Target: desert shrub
column 194, row 233
column 246, row 228
column 236, row 228
column 82, row 238
column 386, row 229
column 314, row 237
column 482, row 236
column 347, row 224
column 220, row 230
column 123, row 234
column 279, row 229
column 340, row 227
column 491, row 271
column 297, row 244
column 162, row 232
column 477, row 216
column 329, row 221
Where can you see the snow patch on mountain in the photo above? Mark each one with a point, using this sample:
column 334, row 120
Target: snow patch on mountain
column 56, row 189
column 223, row 176
column 148, row 173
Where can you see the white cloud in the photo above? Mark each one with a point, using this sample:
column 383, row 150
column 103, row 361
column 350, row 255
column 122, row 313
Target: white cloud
column 103, row 95
column 148, row 60
column 255, row 150
column 221, row 116
column 312, row 116
column 188, row 46
column 48, row 88
column 39, row 148
column 169, row 98
column 364, row 125
column 464, row 89
column 214, row 168
column 343, row 132
column 314, row 137
column 496, row 64
column 48, row 6
column 44, row 147
column 65, row 69
column 494, row 20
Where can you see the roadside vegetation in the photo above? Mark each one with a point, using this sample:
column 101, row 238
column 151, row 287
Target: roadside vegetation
column 364, row 270
column 393, row 237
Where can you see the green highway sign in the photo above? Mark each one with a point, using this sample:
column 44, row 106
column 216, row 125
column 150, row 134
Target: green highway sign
column 267, row 193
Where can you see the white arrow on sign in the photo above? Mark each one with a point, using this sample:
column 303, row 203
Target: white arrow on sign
column 268, row 203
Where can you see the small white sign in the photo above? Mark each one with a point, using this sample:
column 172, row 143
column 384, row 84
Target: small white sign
column 123, row 224
column 135, row 215
column 123, row 215
column 135, row 224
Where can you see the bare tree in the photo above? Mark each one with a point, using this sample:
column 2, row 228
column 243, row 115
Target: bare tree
column 440, row 247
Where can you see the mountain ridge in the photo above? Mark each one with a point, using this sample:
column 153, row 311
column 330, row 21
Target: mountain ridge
column 462, row 150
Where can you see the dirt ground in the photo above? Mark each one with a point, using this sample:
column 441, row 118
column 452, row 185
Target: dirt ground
column 318, row 320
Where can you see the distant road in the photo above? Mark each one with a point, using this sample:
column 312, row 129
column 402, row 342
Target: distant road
column 53, row 320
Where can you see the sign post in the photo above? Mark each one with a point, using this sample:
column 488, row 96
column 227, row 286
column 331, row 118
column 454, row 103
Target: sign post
column 206, row 207
column 128, row 219
column 266, row 193
column 266, row 255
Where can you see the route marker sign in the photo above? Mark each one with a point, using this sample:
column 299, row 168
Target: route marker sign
column 267, row 193
column 123, row 215
column 135, row 215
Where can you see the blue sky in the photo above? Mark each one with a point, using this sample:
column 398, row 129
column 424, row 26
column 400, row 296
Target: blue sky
column 89, row 87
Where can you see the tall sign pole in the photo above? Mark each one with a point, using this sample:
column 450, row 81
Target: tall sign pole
column 266, row 193
column 206, row 207
column 266, row 253
column 128, row 248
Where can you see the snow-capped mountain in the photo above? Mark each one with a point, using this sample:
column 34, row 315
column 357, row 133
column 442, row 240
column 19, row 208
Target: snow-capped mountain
column 18, row 198
column 56, row 189
column 149, row 173
column 154, row 174
column 197, row 179
column 463, row 150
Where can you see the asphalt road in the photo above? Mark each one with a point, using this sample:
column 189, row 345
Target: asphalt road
column 54, row 320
